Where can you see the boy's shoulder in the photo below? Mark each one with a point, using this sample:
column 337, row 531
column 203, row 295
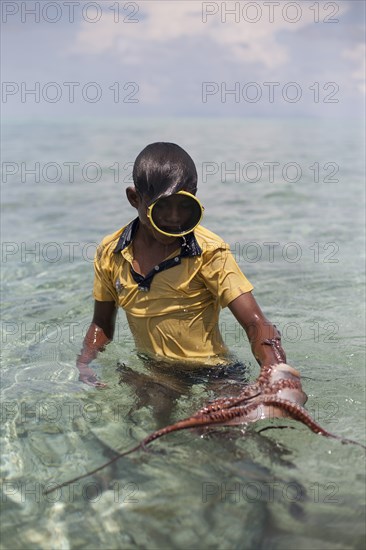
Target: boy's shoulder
column 209, row 241
column 109, row 242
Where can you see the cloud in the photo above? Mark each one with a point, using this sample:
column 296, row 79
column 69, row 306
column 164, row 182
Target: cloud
column 357, row 55
column 161, row 23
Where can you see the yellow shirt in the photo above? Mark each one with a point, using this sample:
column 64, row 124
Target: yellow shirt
column 173, row 313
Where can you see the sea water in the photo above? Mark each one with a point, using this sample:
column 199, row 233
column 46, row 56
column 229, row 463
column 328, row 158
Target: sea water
column 288, row 196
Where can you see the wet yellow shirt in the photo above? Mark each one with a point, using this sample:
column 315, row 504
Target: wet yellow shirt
column 173, row 312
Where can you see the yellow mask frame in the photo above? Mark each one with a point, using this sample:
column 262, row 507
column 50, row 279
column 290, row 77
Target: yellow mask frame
column 190, row 211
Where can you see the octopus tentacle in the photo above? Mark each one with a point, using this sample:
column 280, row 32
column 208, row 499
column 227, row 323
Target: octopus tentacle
column 277, row 390
column 191, row 422
column 299, row 413
column 275, row 343
column 251, row 391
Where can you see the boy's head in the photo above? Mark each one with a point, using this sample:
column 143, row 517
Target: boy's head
column 162, row 169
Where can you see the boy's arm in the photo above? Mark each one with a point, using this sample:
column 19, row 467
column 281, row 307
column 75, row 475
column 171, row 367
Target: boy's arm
column 259, row 330
column 99, row 334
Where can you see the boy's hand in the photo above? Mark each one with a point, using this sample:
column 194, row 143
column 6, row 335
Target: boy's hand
column 88, row 376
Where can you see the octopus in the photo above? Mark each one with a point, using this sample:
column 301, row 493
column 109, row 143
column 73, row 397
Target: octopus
column 276, row 393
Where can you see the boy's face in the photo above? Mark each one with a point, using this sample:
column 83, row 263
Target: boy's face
column 169, row 213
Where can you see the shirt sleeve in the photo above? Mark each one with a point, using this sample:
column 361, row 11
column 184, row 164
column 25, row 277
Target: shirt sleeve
column 223, row 277
column 103, row 290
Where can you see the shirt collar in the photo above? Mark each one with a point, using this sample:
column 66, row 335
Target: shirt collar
column 190, row 246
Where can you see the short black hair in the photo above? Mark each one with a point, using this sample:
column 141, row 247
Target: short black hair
column 162, row 169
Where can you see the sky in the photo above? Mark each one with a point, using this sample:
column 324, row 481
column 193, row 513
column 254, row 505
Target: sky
column 182, row 58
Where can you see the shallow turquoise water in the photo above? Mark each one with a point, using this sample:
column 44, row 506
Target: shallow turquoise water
column 300, row 241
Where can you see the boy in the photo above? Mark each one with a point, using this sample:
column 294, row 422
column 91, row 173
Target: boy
column 171, row 275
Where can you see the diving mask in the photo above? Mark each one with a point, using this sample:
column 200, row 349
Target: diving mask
column 175, row 215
